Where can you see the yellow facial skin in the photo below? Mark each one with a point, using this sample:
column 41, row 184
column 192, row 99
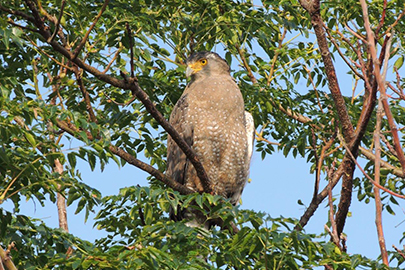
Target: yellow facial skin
column 196, row 67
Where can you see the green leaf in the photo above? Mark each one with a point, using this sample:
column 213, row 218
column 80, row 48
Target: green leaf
column 30, row 139
column 399, row 62
column 148, row 214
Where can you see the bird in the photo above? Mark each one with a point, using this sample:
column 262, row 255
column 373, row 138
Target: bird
column 210, row 116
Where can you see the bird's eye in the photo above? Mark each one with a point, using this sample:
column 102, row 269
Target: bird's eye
column 203, row 62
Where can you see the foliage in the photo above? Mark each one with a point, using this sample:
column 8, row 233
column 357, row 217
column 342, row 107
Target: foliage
column 152, row 241
column 54, row 109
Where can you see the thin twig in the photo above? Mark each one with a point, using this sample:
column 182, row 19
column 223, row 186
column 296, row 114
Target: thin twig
column 131, row 49
column 399, row 251
column 85, row 94
column 17, row 13
column 10, row 21
column 276, row 54
column 354, row 33
column 246, row 64
column 381, row 24
column 83, row 42
column 59, row 19
column 334, row 232
column 368, row 177
column 378, row 203
column 112, row 60
column 340, row 52
column 389, row 29
column 319, row 164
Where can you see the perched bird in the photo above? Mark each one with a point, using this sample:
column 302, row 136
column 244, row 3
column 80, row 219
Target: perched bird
column 211, row 118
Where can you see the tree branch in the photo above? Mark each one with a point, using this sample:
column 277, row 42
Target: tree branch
column 61, row 201
column 130, row 84
column 313, row 8
column 85, row 93
column 72, row 130
column 83, row 42
column 18, row 13
column 131, row 49
column 368, row 177
column 6, row 259
column 276, row 54
column 59, row 19
column 378, row 204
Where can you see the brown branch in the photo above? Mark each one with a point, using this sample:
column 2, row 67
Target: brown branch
column 85, row 93
column 333, row 233
column 370, row 155
column 246, row 64
column 130, row 84
column 340, row 52
column 276, row 54
column 86, row 36
column 354, row 33
column 317, row 162
column 131, row 48
column 396, row 91
column 377, row 135
column 389, row 146
column 61, row 200
column 319, row 165
column 5, row 258
column 17, row 13
column 112, row 60
column 313, row 8
column 381, row 86
column 72, row 130
column 381, row 24
column 62, row 7
column 378, row 204
column 399, row 251
column 309, row 212
column 10, row 21
column 369, row 178
column 389, row 29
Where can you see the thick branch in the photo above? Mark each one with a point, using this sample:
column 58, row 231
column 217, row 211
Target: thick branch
column 313, row 8
column 317, row 200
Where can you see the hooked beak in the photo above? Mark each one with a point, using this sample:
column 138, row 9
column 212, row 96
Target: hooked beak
column 192, row 69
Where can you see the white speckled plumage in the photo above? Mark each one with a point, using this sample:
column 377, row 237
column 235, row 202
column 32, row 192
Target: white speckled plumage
column 211, row 118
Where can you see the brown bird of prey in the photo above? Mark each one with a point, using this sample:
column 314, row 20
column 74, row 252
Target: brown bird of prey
column 211, row 118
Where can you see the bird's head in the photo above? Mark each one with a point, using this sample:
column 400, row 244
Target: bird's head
column 206, row 63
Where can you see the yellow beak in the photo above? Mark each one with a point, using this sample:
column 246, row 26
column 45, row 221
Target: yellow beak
column 193, row 68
